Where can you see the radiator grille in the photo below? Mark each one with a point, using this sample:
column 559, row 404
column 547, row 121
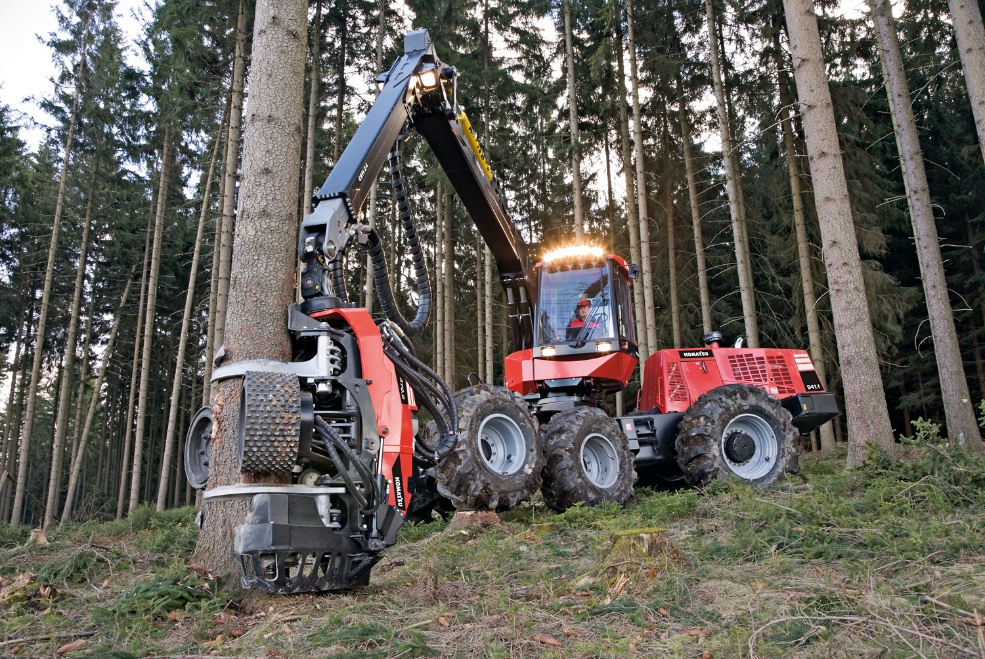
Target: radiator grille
column 749, row 368
column 769, row 372
column 676, row 390
column 781, row 376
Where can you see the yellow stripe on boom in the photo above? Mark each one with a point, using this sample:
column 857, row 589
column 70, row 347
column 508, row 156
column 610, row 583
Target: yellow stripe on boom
column 474, row 143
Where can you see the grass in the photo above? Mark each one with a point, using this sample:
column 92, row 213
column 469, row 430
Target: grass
column 883, row 561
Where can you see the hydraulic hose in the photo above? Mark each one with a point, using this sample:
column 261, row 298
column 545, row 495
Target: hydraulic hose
column 338, row 278
column 433, row 392
column 332, row 441
column 381, row 276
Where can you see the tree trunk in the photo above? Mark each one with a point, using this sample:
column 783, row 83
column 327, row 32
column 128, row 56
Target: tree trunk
column 866, row 412
column 732, row 184
column 675, row 304
column 6, row 447
column 487, row 370
column 631, row 211
column 65, row 395
column 480, row 287
column 488, row 303
column 803, row 249
column 73, row 478
column 264, row 256
column 210, row 324
column 134, row 383
column 439, row 284
column 737, row 168
column 610, row 215
column 959, row 412
column 229, row 184
column 692, row 194
column 32, row 391
column 83, row 374
column 579, row 215
column 12, row 411
column 371, row 209
column 343, row 44
column 143, row 399
column 171, row 431
column 970, row 35
column 309, row 150
column 15, row 436
column 646, row 267
column 449, row 272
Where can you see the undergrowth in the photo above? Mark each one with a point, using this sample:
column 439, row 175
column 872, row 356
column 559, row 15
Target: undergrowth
column 885, row 560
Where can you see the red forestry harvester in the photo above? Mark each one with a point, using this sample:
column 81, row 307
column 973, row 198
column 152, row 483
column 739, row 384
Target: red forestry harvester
column 341, row 417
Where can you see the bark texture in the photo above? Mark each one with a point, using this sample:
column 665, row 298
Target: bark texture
column 171, row 431
column 229, row 179
column 692, row 194
column 970, row 34
column 134, row 371
column 959, row 411
column 631, row 211
column 65, row 395
column 262, row 274
column 732, row 183
column 646, row 268
column 579, row 215
column 803, row 251
column 73, row 479
column 143, row 396
column 865, row 400
column 32, row 391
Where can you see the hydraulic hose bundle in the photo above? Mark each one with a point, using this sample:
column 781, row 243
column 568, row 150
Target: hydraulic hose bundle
column 431, row 390
column 381, row 275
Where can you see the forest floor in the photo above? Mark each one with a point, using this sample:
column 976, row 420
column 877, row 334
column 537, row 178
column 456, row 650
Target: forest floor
column 884, row 561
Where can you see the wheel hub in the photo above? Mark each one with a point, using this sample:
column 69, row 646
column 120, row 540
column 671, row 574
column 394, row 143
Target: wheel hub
column 600, row 461
column 501, row 444
column 739, row 447
column 749, row 446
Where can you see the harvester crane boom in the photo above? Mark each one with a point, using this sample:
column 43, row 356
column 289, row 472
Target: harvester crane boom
column 416, row 91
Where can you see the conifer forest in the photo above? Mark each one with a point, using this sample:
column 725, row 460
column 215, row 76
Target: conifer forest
column 796, row 174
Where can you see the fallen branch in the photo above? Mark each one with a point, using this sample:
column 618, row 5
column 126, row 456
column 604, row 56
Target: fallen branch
column 882, row 623
column 45, row 637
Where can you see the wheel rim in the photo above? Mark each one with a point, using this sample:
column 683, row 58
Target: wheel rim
column 600, row 461
column 502, row 444
column 753, row 433
column 198, row 448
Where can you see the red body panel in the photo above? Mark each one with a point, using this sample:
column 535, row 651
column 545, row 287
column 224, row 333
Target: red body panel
column 523, row 372
column 394, row 417
column 673, row 379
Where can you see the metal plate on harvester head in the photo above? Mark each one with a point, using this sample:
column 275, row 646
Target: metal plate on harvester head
column 269, row 422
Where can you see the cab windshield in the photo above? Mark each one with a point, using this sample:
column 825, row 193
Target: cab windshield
column 574, row 306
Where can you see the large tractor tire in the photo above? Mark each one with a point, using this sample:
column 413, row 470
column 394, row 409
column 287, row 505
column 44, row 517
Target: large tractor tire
column 737, row 430
column 498, row 460
column 588, row 460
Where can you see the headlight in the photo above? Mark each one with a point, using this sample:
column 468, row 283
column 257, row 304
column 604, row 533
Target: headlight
column 603, row 346
column 548, row 351
column 573, row 252
column 428, row 78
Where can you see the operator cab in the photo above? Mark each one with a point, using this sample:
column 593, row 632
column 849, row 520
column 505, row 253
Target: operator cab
column 583, row 304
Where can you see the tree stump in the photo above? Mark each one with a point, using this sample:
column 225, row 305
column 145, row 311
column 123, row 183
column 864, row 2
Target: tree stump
column 637, row 555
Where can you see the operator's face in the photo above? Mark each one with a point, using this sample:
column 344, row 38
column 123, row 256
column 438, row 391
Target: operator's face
column 583, row 312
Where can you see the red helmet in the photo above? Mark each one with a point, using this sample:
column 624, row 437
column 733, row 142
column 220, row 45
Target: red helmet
column 584, row 303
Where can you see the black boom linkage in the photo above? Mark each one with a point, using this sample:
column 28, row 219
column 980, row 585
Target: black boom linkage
column 414, row 92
